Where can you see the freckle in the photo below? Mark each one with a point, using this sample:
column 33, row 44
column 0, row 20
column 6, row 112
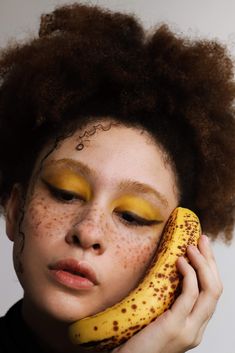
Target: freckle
column 134, row 306
column 48, row 225
column 30, row 210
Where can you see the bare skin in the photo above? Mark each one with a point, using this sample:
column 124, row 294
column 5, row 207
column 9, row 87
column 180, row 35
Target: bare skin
column 75, row 207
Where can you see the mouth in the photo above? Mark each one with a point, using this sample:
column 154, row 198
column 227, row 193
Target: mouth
column 74, row 274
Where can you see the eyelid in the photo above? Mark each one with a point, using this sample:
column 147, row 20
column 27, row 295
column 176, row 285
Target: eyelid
column 137, row 205
column 67, row 180
column 60, row 193
column 140, row 221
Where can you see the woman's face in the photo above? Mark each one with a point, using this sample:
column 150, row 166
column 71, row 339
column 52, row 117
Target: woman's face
column 91, row 220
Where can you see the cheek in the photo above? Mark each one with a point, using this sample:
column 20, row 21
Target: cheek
column 133, row 248
column 135, row 253
column 44, row 219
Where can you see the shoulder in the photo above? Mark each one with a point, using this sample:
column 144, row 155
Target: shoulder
column 9, row 325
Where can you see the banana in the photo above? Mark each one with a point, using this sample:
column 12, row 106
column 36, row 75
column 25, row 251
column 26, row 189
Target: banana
column 154, row 295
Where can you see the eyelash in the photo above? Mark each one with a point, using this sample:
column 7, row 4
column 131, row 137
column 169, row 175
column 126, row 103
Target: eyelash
column 64, row 195
column 128, row 218
column 136, row 221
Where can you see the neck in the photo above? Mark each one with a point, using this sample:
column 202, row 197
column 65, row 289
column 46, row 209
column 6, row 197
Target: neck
column 51, row 334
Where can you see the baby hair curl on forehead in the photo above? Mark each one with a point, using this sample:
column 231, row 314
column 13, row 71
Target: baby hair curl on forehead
column 88, row 63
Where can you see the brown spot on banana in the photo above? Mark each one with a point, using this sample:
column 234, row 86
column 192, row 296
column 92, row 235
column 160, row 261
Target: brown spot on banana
column 183, row 228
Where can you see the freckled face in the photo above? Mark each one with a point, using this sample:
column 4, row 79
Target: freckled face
column 104, row 206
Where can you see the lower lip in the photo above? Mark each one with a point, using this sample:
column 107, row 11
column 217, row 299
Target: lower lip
column 71, row 281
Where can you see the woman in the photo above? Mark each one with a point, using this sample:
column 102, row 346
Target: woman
column 91, row 112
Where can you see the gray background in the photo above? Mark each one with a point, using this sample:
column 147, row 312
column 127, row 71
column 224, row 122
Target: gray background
column 213, row 19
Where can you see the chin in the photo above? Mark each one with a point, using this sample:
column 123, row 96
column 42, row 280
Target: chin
column 67, row 308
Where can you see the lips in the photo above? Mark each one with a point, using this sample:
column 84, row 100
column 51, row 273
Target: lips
column 74, row 274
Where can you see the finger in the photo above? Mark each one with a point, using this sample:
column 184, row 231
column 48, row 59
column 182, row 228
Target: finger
column 203, row 310
column 207, row 251
column 207, row 278
column 210, row 289
column 201, row 332
column 204, row 273
column 190, row 291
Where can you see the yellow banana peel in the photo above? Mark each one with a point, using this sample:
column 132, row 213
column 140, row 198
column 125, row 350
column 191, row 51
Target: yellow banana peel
column 154, row 295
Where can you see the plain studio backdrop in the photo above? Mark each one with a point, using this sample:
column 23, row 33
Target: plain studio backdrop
column 201, row 18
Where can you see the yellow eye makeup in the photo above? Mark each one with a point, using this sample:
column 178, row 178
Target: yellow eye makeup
column 67, row 180
column 137, row 205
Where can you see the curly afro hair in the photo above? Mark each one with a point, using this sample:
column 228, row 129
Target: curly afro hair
column 89, row 63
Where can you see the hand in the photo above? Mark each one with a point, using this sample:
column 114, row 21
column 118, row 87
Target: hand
column 181, row 327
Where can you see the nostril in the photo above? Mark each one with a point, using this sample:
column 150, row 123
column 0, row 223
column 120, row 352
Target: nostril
column 96, row 246
column 75, row 239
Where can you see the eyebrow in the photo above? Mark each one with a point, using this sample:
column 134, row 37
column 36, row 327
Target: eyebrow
column 136, row 186
column 72, row 164
column 127, row 184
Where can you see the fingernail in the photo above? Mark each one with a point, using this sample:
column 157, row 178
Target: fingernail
column 205, row 238
column 194, row 248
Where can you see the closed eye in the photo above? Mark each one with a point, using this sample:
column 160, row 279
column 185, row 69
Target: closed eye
column 63, row 195
column 131, row 219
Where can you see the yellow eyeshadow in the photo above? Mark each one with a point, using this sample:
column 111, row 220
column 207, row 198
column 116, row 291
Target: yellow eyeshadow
column 66, row 179
column 137, row 205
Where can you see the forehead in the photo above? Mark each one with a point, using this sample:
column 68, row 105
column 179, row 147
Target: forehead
column 114, row 152
column 108, row 141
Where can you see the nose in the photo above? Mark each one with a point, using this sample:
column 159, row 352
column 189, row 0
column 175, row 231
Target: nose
column 89, row 232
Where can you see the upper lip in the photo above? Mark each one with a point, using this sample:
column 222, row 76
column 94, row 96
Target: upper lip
column 77, row 267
